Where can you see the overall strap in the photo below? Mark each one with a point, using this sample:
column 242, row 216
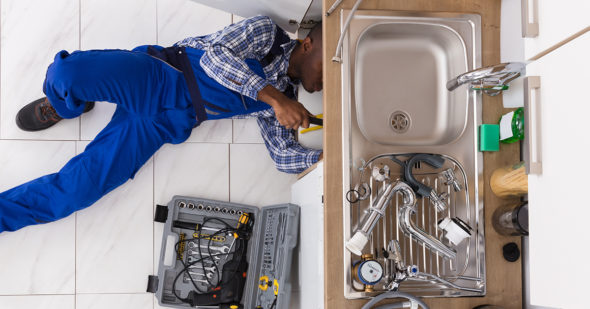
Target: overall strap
column 177, row 57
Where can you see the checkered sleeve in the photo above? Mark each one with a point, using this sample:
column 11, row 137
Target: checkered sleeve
column 224, row 57
column 289, row 156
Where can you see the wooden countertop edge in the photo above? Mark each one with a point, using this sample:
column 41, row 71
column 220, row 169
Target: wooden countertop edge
column 504, row 286
column 308, row 170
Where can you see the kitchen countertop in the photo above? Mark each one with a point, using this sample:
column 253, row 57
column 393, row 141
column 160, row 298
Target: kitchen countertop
column 504, row 279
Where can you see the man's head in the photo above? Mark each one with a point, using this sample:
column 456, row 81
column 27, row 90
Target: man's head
column 306, row 61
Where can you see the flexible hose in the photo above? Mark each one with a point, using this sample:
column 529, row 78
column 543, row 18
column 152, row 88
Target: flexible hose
column 394, row 305
column 338, row 54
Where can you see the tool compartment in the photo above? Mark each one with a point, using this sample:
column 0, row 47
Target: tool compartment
column 262, row 281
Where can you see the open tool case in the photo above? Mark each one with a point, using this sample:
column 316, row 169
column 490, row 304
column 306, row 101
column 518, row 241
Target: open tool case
column 273, row 236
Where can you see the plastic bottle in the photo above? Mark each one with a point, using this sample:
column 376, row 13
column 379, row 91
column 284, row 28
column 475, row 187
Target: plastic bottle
column 512, row 126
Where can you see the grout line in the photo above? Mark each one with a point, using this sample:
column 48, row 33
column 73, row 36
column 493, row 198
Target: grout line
column 229, row 173
column 79, row 138
column 28, row 295
column 1, row 68
column 112, row 293
column 157, row 24
column 79, row 48
column 75, row 247
column 153, row 213
column 42, row 140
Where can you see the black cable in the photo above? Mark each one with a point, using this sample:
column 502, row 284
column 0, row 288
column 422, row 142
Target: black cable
column 239, row 249
column 228, row 228
column 274, row 302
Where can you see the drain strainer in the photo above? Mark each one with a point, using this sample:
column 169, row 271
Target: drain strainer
column 400, row 122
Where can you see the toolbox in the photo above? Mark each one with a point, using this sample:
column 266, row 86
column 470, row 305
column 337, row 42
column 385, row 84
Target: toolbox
column 225, row 255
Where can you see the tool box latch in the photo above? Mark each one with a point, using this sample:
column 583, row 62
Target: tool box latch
column 152, row 286
column 161, row 213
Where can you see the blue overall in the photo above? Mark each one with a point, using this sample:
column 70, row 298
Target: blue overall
column 156, row 104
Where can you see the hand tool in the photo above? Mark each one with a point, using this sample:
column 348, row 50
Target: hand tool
column 200, row 267
column 221, row 249
column 192, row 259
column 208, row 274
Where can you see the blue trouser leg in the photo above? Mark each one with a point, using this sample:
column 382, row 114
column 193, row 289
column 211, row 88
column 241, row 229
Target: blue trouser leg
column 153, row 109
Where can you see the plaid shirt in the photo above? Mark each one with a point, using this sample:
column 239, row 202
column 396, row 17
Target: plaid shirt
column 223, row 61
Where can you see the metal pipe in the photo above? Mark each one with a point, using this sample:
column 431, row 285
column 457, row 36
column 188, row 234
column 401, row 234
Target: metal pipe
column 376, row 211
column 410, row 229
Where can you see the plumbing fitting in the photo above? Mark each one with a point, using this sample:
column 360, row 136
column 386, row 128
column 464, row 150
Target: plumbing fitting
column 376, row 211
column 456, row 230
column 411, row 229
column 381, row 172
column 398, row 272
column 436, row 161
column 451, row 179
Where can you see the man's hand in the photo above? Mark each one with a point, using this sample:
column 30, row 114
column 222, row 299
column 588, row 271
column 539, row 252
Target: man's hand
column 290, row 113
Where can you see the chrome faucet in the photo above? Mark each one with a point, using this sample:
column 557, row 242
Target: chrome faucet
column 492, row 80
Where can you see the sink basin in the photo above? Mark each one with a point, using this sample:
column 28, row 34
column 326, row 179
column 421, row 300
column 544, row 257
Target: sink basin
column 401, row 72
column 395, row 66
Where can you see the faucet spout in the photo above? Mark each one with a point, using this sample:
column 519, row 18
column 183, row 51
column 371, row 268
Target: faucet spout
column 411, row 229
column 492, row 80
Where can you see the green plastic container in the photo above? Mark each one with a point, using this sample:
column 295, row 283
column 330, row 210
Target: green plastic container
column 512, row 126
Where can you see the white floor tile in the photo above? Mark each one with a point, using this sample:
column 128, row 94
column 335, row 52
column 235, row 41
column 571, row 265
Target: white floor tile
column 37, row 259
column 213, row 131
column 179, row 19
column 246, row 131
column 93, row 122
column 107, row 24
column 38, row 302
column 190, row 169
column 114, row 238
column 32, row 32
column 113, row 24
column 254, row 180
column 114, row 301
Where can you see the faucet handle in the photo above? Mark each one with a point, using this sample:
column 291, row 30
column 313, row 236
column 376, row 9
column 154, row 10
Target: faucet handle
column 439, row 200
column 451, row 179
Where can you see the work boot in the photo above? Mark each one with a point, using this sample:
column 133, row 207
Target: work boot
column 39, row 115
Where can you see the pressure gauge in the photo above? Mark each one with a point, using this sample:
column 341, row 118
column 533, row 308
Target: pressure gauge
column 368, row 272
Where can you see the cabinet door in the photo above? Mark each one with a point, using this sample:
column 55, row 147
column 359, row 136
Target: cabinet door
column 308, row 266
column 557, row 19
column 559, row 208
column 281, row 11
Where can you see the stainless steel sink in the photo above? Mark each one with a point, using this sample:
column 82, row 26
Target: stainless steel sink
column 401, row 73
column 394, row 71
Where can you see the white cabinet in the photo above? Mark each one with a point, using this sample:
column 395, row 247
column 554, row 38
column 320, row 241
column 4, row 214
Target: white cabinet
column 557, row 20
column 552, row 20
column 559, row 208
column 307, row 271
column 286, row 13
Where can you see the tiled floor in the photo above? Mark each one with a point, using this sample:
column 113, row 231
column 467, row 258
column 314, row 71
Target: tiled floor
column 101, row 256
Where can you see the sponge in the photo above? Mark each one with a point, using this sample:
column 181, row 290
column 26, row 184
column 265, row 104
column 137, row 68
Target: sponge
column 489, row 137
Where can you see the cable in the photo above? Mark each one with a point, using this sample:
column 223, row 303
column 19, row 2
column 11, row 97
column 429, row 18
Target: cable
column 274, row 302
column 240, row 235
column 380, row 297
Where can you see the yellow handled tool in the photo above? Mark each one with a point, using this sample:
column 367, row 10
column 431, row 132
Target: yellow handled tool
column 319, row 116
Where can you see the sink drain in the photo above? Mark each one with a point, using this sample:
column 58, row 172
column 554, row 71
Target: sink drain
column 400, row 122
